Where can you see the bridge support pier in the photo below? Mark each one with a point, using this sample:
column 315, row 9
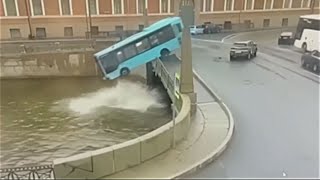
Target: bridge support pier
column 150, row 74
column 186, row 72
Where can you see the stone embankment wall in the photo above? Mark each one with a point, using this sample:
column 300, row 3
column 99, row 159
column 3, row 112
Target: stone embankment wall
column 40, row 59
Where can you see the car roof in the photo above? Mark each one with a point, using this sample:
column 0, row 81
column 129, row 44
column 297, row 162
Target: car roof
column 286, row 34
column 243, row 42
column 311, row 16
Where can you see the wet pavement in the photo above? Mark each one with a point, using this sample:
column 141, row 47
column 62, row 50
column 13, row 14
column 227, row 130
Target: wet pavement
column 43, row 119
column 276, row 112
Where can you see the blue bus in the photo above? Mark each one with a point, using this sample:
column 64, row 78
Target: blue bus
column 155, row 41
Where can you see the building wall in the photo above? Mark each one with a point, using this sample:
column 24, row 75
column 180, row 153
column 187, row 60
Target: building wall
column 1, row 9
column 54, row 22
column 51, row 7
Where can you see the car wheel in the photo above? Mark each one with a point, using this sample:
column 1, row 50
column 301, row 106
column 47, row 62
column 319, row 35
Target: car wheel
column 249, row 56
column 164, row 52
column 231, row 58
column 315, row 68
column 303, row 63
column 125, row 72
column 255, row 53
column 304, row 47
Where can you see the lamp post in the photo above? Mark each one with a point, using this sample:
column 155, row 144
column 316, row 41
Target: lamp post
column 145, row 14
column 86, row 13
column 90, row 20
column 149, row 68
column 312, row 6
column 242, row 6
column 27, row 5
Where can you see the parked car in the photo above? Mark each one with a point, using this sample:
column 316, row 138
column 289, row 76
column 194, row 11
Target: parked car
column 211, row 28
column 246, row 49
column 194, row 30
column 311, row 61
column 286, row 38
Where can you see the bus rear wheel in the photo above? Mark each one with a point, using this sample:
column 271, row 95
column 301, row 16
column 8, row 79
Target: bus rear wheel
column 164, row 52
column 125, row 72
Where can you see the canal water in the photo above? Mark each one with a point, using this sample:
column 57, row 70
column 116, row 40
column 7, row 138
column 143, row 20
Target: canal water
column 44, row 119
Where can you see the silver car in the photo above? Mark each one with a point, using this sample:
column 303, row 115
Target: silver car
column 246, row 49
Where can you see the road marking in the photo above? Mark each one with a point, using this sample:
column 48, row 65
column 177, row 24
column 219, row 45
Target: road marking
column 206, row 40
column 206, row 103
column 229, row 36
column 215, row 41
column 221, row 164
column 292, row 70
column 284, row 174
column 269, row 69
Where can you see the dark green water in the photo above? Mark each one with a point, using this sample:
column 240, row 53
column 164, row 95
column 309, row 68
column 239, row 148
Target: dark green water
column 44, row 119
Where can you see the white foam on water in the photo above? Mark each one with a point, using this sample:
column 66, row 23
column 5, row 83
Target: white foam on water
column 125, row 95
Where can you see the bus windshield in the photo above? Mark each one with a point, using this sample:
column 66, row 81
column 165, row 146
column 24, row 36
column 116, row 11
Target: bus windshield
column 159, row 39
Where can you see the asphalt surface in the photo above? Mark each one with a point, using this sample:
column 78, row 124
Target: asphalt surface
column 275, row 105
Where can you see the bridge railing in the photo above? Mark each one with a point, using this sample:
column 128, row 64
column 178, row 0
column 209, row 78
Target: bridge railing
column 167, row 81
column 165, row 77
column 30, row 173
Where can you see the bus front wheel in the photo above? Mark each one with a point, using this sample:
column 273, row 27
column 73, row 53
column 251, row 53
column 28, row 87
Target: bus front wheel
column 124, row 71
column 164, row 52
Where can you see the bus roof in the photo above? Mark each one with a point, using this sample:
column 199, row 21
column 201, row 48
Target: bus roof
column 153, row 27
column 311, row 16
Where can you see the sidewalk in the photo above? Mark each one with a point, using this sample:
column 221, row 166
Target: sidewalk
column 206, row 140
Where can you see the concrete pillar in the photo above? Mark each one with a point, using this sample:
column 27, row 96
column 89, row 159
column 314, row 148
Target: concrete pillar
column 149, row 68
column 197, row 4
column 186, row 71
column 176, row 4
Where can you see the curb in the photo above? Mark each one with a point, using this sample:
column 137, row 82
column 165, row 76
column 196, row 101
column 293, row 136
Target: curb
column 215, row 154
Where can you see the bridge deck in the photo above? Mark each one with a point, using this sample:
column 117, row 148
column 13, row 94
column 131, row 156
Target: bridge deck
column 172, row 63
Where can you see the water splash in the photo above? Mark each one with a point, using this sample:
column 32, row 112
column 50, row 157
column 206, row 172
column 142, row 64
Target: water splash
column 125, row 95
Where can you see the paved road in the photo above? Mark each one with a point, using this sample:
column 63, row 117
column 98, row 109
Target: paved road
column 276, row 111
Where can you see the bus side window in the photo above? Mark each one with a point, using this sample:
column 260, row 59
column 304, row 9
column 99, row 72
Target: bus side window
column 142, row 45
column 178, row 27
column 120, row 56
column 166, row 34
column 154, row 40
column 129, row 51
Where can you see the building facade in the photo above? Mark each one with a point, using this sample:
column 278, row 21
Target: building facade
column 21, row 19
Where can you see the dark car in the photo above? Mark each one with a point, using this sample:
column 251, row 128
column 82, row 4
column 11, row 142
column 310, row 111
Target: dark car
column 211, row 28
column 311, row 61
column 286, row 38
column 246, row 49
